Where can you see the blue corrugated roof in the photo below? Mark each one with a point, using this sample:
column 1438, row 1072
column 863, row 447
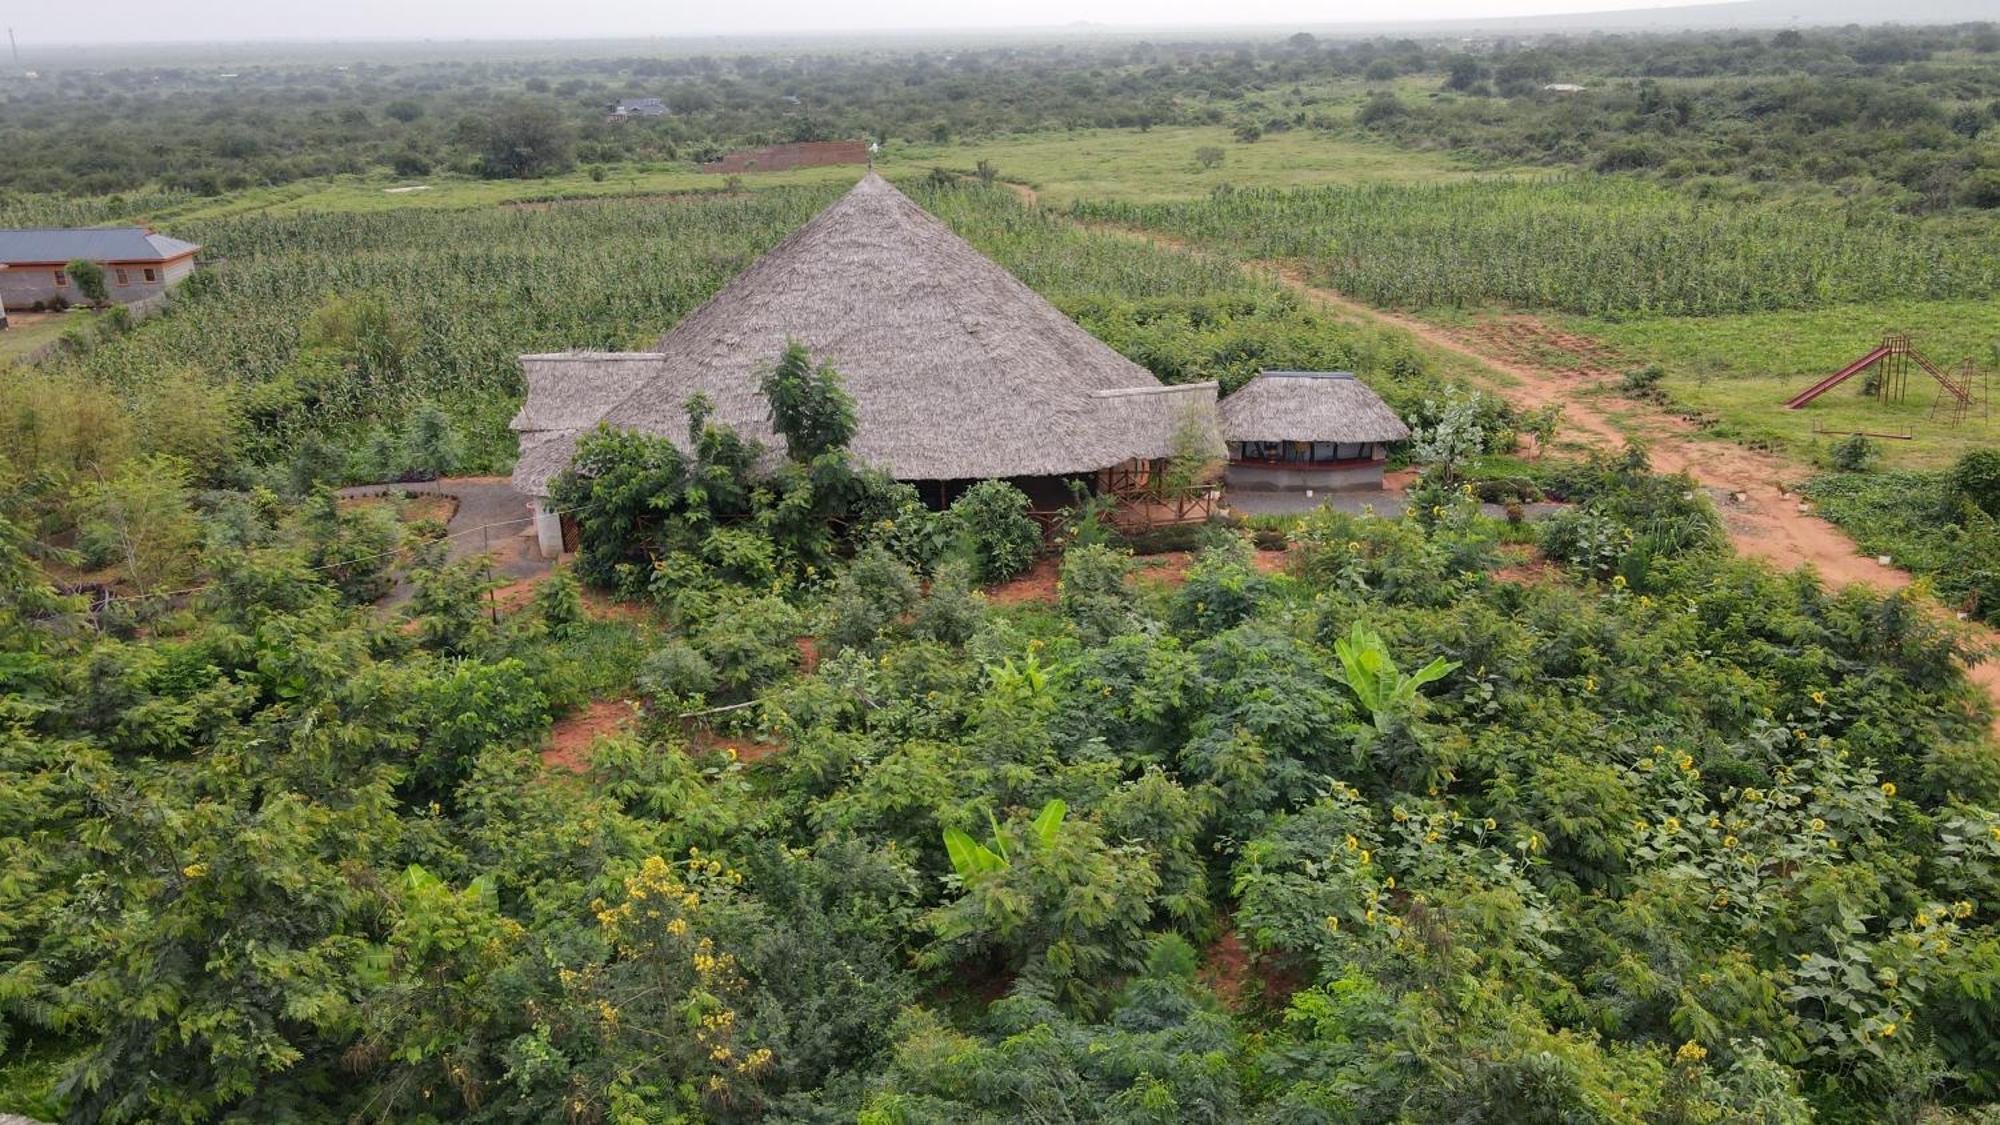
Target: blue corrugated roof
column 96, row 244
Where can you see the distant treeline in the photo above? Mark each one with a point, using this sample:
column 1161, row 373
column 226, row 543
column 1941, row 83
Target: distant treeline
column 1909, row 112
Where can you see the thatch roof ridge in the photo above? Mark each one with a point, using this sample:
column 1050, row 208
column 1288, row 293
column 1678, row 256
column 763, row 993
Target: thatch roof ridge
column 1148, row 420
column 1309, row 406
column 958, row 369
column 572, row 390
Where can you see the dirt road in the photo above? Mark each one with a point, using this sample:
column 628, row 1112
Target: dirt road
column 1764, row 518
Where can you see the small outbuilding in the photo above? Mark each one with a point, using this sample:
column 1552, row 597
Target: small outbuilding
column 1294, row 430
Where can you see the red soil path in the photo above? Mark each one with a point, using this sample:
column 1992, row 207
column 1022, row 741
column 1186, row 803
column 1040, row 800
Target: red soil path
column 571, row 738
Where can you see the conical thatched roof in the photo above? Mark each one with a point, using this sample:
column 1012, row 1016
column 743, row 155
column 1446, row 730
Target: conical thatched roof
column 1309, row 406
column 957, row 369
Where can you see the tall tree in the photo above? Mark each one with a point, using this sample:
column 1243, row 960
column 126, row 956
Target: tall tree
column 808, row 407
column 525, row 139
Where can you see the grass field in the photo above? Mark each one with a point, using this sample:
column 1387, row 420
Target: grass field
column 30, row 331
column 1131, row 166
column 1119, row 164
column 1742, row 368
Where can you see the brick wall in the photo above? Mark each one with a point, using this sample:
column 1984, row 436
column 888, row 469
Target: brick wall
column 778, row 158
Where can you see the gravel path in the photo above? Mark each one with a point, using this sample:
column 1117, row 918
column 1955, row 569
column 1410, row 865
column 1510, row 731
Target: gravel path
column 492, row 519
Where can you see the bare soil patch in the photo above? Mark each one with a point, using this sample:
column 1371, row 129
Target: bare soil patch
column 1519, row 338
column 1241, row 979
column 1168, row 570
column 1037, row 585
column 573, row 735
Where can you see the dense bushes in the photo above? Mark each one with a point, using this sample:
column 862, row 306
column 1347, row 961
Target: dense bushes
column 991, row 519
column 1410, row 823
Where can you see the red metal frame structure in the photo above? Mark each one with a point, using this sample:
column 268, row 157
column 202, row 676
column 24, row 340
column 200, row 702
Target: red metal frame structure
column 1896, row 355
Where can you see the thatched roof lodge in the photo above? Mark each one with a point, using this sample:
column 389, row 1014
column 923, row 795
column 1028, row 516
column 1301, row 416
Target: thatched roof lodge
column 958, row 371
column 1308, row 429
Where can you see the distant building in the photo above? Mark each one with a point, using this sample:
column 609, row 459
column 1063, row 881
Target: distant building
column 1294, row 430
column 3, row 301
column 137, row 263
column 635, row 107
column 1563, row 88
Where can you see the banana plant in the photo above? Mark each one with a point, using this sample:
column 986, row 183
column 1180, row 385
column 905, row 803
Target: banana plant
column 1371, row 673
column 971, row 859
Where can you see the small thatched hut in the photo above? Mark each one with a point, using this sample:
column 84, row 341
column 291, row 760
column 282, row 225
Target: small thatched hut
column 1308, row 429
column 958, row 371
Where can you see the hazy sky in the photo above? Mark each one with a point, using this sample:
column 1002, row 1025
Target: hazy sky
column 130, row 21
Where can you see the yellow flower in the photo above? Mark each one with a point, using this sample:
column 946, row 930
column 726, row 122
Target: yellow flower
column 1332, row 923
column 1687, row 761
column 1390, row 885
column 1398, row 814
column 1819, row 697
column 1352, row 843
column 1888, row 789
column 1618, row 582
column 1489, row 824
column 1729, row 841
column 1366, row 855
column 1961, row 909
column 1690, row 1052
column 1753, row 795
column 194, row 870
column 1922, row 919
column 1888, row 1029
column 1817, row 825
column 1672, row 824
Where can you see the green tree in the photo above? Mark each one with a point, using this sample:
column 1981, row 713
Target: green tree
column 808, row 407
column 138, row 519
column 992, row 521
column 1454, row 435
column 434, row 446
column 524, row 139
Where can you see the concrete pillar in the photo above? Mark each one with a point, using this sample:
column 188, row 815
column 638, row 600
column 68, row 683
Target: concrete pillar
column 548, row 530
